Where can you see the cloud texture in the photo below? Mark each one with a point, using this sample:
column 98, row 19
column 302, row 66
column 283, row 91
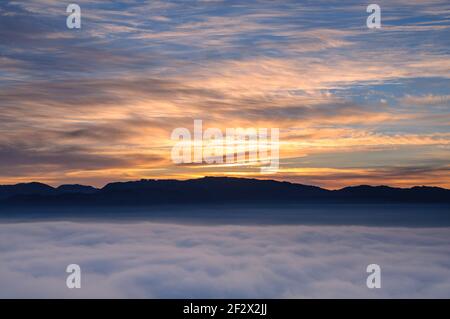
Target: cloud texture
column 99, row 104
column 152, row 260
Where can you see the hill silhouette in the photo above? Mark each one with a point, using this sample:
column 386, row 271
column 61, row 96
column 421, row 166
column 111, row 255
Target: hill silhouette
column 211, row 190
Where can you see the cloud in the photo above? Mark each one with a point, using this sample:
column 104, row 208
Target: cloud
column 426, row 100
column 153, row 260
column 137, row 70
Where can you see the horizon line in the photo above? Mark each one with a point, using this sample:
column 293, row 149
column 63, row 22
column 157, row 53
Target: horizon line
column 224, row 177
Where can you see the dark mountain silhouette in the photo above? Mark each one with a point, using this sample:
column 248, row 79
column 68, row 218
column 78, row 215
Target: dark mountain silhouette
column 211, row 190
column 386, row 193
column 34, row 188
column 7, row 191
column 76, row 188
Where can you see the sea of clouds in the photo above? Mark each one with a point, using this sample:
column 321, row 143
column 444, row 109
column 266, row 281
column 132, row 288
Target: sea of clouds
column 161, row 260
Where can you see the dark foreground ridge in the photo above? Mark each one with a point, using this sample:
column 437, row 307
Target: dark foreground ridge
column 210, row 190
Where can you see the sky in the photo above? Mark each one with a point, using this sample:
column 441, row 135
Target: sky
column 98, row 104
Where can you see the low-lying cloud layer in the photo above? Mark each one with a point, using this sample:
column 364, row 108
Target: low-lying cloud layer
column 154, row 260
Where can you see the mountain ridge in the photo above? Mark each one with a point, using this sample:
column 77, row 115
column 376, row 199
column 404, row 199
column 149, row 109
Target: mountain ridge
column 210, row 190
